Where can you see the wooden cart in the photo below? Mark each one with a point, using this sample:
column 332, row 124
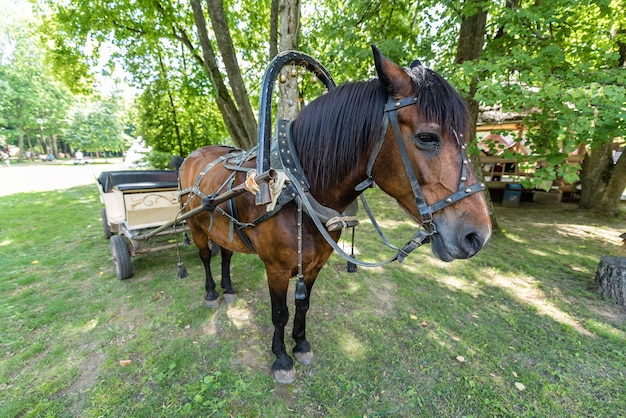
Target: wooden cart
column 139, row 205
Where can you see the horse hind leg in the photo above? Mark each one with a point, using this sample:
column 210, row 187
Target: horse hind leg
column 230, row 294
column 211, row 297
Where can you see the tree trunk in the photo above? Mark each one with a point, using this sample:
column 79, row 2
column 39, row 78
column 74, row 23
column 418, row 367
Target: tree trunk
column 602, row 181
column 55, row 147
column 273, row 29
column 20, row 144
column 227, row 51
column 470, row 48
column 168, row 91
column 232, row 118
column 289, row 103
column 621, row 46
column 611, row 279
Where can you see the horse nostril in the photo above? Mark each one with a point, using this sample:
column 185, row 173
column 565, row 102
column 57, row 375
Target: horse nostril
column 473, row 243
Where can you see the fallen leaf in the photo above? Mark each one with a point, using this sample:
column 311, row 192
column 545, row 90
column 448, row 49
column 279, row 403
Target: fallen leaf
column 424, row 324
column 413, row 317
column 125, row 363
column 514, row 374
column 460, row 359
column 520, row 386
column 35, row 262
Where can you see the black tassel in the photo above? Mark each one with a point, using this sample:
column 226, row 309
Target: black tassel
column 351, row 267
column 186, row 242
column 182, row 271
column 300, row 289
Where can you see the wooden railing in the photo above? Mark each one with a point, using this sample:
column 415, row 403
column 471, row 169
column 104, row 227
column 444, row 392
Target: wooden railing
column 500, row 171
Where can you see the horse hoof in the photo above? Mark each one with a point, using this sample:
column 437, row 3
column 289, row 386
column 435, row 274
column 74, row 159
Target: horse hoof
column 212, row 304
column 230, row 297
column 304, row 358
column 285, row 376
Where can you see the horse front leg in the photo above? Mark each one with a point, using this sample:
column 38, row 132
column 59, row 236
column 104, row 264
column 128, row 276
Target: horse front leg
column 284, row 372
column 302, row 350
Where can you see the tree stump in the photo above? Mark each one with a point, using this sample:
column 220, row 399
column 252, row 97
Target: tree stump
column 611, row 278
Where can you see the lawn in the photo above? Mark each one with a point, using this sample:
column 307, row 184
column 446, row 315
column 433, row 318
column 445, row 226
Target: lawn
column 516, row 331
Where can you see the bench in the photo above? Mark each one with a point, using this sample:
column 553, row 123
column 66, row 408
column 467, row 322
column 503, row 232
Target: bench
column 138, row 180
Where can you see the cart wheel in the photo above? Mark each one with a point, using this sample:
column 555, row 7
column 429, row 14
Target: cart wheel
column 105, row 224
column 121, row 257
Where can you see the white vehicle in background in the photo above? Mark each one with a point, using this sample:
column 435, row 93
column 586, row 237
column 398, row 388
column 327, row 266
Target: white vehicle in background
column 136, row 156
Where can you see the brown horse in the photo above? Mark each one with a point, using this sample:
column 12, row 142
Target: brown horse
column 403, row 130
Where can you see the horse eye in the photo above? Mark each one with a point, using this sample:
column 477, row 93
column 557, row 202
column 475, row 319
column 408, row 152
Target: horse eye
column 427, row 139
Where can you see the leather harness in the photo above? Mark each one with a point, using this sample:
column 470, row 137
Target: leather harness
column 283, row 155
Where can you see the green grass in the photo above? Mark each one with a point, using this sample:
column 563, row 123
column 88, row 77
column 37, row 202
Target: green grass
column 387, row 340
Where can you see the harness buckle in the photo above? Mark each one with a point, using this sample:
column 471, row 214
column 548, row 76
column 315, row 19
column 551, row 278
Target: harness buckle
column 421, row 237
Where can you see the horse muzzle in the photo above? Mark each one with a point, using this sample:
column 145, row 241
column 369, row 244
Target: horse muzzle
column 449, row 244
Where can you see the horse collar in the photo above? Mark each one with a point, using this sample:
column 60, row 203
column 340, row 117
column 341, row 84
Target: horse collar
column 286, row 154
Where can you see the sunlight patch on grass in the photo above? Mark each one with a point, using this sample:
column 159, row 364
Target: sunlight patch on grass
column 81, row 328
column 515, row 238
column 393, row 223
column 457, row 283
column 606, row 330
column 609, row 235
column 344, row 244
column 210, row 328
column 5, row 243
column 537, row 252
column 352, row 347
column 352, row 286
column 526, row 290
column 239, row 316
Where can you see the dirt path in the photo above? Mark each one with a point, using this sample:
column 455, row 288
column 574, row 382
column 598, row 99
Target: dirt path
column 37, row 177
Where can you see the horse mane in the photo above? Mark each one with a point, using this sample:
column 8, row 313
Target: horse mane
column 438, row 101
column 333, row 133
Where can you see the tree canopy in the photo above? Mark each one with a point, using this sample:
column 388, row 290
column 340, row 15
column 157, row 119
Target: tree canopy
column 40, row 104
column 558, row 65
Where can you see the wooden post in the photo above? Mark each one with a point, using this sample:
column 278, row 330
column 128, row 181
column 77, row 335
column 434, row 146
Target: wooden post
column 611, row 278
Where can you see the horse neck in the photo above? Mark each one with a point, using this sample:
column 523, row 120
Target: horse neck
column 341, row 192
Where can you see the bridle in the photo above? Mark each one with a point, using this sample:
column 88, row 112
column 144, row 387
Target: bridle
column 426, row 211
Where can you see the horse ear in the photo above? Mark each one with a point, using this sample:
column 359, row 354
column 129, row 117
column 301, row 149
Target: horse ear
column 393, row 78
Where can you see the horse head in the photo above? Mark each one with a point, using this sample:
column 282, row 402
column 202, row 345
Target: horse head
column 422, row 161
